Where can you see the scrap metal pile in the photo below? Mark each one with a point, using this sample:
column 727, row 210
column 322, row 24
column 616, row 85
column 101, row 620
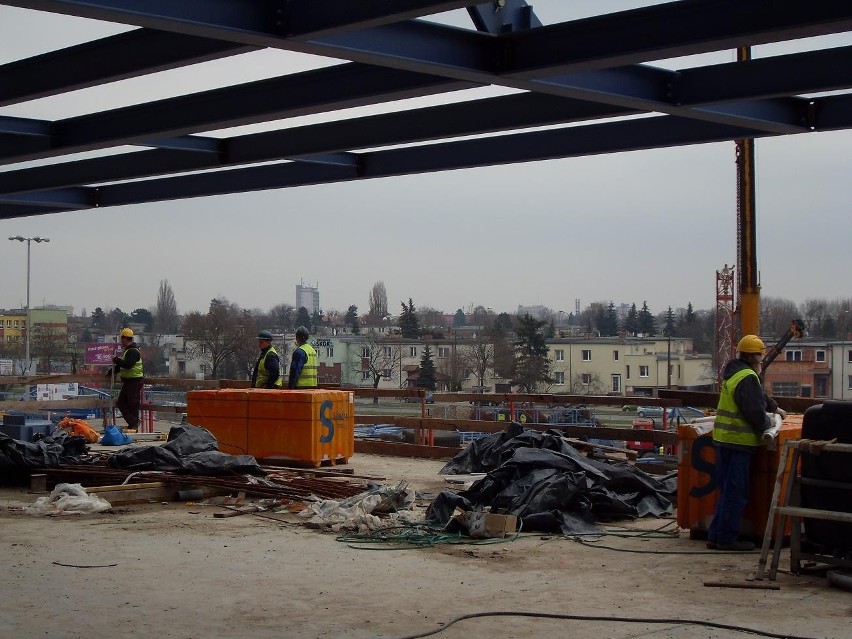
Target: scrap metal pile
column 552, row 487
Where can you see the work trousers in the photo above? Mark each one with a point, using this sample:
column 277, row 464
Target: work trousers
column 733, row 467
column 128, row 401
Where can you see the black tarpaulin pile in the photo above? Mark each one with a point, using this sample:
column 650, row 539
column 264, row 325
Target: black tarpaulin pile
column 49, row 452
column 190, row 450
column 550, row 485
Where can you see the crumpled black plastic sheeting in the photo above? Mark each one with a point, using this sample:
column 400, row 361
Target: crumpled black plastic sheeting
column 48, row 452
column 190, row 450
column 549, row 485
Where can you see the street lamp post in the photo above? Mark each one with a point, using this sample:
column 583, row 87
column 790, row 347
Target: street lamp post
column 28, row 240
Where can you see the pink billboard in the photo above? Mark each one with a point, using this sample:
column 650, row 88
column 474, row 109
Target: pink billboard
column 100, row 354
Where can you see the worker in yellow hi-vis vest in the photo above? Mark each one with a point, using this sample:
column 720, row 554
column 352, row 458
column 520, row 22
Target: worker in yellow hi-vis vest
column 741, row 419
column 128, row 366
column 303, row 365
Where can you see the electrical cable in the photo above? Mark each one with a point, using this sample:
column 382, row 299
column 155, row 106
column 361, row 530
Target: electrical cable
column 583, row 542
column 647, row 620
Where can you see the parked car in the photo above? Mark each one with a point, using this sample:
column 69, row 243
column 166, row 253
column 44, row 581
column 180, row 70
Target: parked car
column 416, row 400
column 649, row 411
column 684, row 413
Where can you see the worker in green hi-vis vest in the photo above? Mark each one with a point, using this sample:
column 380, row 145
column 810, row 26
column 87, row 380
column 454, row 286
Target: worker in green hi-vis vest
column 303, row 365
column 742, row 416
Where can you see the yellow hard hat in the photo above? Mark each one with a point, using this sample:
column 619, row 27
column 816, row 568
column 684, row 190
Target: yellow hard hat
column 127, row 332
column 751, row 344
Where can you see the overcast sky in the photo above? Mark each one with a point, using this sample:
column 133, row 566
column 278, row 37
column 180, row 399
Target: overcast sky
column 647, row 225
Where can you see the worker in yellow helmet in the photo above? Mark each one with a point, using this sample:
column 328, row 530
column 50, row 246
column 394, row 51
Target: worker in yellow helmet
column 128, row 366
column 742, row 416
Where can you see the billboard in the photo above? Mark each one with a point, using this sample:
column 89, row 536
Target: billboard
column 100, row 354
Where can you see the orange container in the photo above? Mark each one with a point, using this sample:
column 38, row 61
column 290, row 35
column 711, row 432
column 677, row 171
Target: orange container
column 310, row 426
column 696, row 489
column 224, row 413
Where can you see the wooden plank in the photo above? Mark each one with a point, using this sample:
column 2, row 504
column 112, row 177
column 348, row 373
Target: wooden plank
column 578, row 443
column 55, row 405
column 747, row 585
column 814, row 513
column 126, row 487
column 373, row 447
column 711, row 400
column 553, row 399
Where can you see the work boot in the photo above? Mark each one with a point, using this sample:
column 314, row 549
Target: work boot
column 736, row 546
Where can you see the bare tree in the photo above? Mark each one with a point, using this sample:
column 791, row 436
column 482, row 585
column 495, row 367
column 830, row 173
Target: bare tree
column 167, row 315
column 454, row 369
column 378, row 360
column 50, row 343
column 479, row 357
column 221, row 337
column 587, row 384
column 430, row 318
column 378, row 301
column 775, row 315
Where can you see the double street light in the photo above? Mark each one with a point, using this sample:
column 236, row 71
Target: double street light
column 28, row 240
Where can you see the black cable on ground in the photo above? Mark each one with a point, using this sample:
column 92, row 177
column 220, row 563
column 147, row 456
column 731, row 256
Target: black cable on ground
column 647, row 620
column 637, row 551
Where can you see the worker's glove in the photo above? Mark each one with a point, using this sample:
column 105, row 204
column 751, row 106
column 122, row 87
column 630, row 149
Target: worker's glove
column 108, row 373
column 116, row 360
column 781, row 413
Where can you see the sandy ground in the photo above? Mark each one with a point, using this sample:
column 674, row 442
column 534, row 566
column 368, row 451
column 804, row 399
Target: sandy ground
column 181, row 573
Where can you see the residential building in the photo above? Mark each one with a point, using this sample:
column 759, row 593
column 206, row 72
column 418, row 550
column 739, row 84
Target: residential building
column 802, row 369
column 840, row 354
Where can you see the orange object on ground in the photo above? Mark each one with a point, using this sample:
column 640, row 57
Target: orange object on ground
column 79, row 428
column 307, row 425
column 696, row 483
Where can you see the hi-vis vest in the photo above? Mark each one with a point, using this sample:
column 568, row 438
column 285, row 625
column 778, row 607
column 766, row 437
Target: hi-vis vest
column 263, row 374
column 731, row 427
column 136, row 371
column 308, row 376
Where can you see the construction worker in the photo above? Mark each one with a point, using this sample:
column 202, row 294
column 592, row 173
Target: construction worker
column 303, row 366
column 128, row 366
column 742, row 416
column 267, row 370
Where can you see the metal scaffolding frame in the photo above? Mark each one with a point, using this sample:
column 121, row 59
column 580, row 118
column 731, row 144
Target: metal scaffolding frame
column 582, row 72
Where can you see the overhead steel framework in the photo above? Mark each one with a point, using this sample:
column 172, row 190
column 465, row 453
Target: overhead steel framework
column 582, row 72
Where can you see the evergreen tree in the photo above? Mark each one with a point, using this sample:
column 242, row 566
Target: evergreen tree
column 459, row 319
column 99, row 318
column 351, row 319
column 609, row 324
column 426, row 378
column 532, row 365
column 408, row 323
column 690, row 316
column 631, row 322
column 303, row 318
column 647, row 323
column 670, row 330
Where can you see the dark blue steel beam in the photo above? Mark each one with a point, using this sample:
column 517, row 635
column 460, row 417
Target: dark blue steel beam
column 320, row 141
column 646, row 133
column 503, row 16
column 186, row 143
column 320, row 90
column 117, row 57
column 24, row 126
column 833, row 113
column 223, row 182
column 669, row 30
column 69, row 198
column 459, row 54
column 807, row 72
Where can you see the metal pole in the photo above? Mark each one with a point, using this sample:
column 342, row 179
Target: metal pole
column 29, row 323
